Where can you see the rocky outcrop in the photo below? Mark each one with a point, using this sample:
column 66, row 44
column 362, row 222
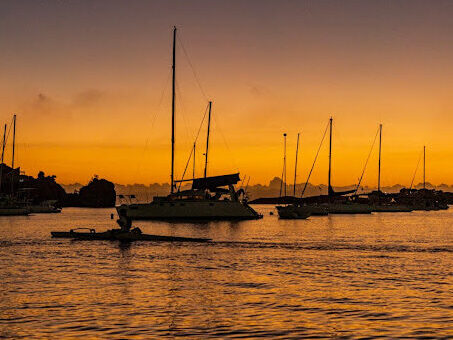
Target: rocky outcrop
column 35, row 190
column 99, row 193
column 44, row 188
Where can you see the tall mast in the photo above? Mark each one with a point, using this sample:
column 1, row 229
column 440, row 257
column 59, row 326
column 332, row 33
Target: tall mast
column 284, row 167
column 194, row 157
column 14, row 140
column 207, row 141
column 173, row 111
column 295, row 166
column 12, row 161
column 329, row 187
column 3, row 153
column 4, row 144
column 424, row 159
column 379, row 167
column 284, row 162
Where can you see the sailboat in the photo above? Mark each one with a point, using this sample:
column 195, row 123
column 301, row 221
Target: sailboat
column 333, row 202
column 338, row 203
column 292, row 211
column 422, row 199
column 9, row 204
column 382, row 202
column 210, row 198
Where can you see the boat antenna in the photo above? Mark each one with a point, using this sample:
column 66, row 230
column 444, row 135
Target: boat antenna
column 207, row 141
column 329, row 186
column 424, row 168
column 379, row 163
column 284, row 167
column 295, row 166
column 314, row 162
column 173, row 112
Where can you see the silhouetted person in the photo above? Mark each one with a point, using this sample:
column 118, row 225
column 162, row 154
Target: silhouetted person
column 125, row 223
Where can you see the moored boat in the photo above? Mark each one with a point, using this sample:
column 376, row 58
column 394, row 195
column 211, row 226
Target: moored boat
column 392, row 208
column 210, row 198
column 317, row 210
column 207, row 200
column 9, row 206
column 380, row 201
column 45, row 207
column 293, row 212
column 349, row 208
column 13, row 211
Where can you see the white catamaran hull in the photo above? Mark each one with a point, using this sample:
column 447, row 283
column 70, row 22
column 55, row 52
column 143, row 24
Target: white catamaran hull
column 189, row 210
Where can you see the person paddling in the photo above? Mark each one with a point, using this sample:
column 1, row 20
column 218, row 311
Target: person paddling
column 125, row 223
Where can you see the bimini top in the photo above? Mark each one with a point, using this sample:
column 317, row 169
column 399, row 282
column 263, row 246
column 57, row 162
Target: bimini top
column 331, row 192
column 215, row 181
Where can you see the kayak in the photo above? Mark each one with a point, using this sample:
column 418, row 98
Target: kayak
column 119, row 235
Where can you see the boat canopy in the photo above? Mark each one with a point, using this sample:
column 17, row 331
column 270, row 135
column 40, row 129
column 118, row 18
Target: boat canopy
column 213, row 182
column 331, row 192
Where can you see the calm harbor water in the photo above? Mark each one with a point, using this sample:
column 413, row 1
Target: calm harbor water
column 385, row 274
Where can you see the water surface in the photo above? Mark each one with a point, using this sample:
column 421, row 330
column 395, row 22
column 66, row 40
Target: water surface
column 384, row 274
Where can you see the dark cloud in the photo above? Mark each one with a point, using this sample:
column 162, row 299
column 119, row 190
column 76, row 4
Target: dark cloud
column 258, row 90
column 42, row 104
column 88, row 98
column 42, row 98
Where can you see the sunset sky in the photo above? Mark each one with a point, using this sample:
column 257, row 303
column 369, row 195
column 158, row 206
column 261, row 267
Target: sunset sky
column 90, row 84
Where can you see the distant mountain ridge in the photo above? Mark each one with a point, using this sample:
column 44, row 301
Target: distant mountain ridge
column 145, row 193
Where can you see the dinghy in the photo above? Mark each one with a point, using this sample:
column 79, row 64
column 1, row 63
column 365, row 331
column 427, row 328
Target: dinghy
column 293, row 212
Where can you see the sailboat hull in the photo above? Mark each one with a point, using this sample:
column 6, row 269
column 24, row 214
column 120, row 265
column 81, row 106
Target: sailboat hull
column 392, row 208
column 292, row 212
column 189, row 210
column 14, row 211
column 354, row 208
column 317, row 210
column 38, row 209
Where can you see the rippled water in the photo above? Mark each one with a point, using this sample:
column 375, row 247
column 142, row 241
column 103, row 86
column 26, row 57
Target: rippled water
column 384, row 275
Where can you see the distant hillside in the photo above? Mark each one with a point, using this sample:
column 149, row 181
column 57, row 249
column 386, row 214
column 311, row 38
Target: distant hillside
column 145, row 193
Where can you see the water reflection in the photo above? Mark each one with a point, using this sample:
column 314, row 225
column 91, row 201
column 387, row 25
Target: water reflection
column 345, row 276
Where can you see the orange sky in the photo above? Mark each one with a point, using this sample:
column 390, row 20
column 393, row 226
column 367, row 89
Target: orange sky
column 89, row 82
